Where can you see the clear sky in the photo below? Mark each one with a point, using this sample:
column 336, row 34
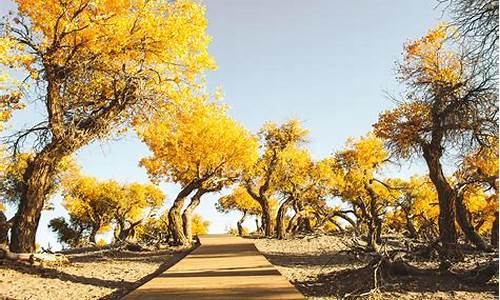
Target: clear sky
column 327, row 62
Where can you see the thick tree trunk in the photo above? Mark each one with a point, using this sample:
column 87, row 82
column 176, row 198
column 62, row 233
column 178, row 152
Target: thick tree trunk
column 266, row 217
column 4, row 229
column 187, row 215
column 239, row 224
column 93, row 234
column 280, row 219
column 292, row 224
column 261, row 198
column 38, row 180
column 466, row 226
column 174, row 216
column 447, row 197
column 375, row 223
column 494, row 232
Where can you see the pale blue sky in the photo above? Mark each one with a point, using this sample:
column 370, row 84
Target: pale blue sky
column 326, row 62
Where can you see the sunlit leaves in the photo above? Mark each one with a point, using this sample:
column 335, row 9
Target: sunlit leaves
column 197, row 142
column 239, row 200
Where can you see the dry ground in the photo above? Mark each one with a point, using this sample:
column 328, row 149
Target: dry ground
column 97, row 275
column 322, row 267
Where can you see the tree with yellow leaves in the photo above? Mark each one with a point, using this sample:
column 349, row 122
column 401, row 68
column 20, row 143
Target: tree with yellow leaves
column 476, row 183
column 200, row 226
column 199, row 147
column 239, row 200
column 416, row 209
column 260, row 180
column 101, row 64
column 12, row 182
column 451, row 103
column 93, row 207
column 369, row 196
column 135, row 203
column 91, row 204
column 303, row 184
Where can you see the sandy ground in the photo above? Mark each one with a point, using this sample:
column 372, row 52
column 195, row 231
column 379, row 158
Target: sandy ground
column 322, row 267
column 98, row 275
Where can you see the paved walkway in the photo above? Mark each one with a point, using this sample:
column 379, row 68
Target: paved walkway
column 223, row 267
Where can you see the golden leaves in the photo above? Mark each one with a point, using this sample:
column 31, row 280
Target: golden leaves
column 239, row 199
column 90, row 201
column 125, row 57
column 196, row 140
column 428, row 60
column 404, row 126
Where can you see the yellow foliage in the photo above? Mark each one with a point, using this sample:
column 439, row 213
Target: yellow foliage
column 402, row 126
column 197, row 141
column 200, row 226
column 432, row 59
column 101, row 243
column 482, row 208
column 117, row 59
column 434, row 76
column 98, row 203
column 239, row 200
column 359, row 162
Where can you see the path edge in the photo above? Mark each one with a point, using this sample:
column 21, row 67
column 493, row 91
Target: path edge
column 119, row 294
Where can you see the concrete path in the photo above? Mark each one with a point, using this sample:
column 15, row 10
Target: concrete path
column 223, row 267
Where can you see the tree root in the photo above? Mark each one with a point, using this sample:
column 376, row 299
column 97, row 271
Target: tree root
column 384, row 269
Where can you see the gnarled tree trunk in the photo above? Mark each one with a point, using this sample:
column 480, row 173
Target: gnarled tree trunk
column 261, row 198
column 494, row 232
column 280, row 219
column 93, row 234
column 38, row 180
column 267, row 222
column 410, row 227
column 239, row 224
column 447, row 197
column 187, row 215
column 4, row 229
column 466, row 226
column 374, row 223
column 125, row 232
column 174, row 215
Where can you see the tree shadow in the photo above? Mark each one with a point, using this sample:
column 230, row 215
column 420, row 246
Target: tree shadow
column 121, row 287
column 56, row 274
column 125, row 255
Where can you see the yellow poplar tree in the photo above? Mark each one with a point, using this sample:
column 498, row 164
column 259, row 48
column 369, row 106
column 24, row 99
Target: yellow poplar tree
column 199, row 147
column 370, row 197
column 303, row 184
column 239, row 200
column 131, row 206
column 450, row 103
column 260, row 180
column 417, row 208
column 99, row 65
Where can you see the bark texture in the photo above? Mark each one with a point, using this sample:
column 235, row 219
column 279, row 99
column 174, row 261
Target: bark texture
column 447, row 197
column 187, row 215
column 280, row 219
column 38, row 181
column 239, row 224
